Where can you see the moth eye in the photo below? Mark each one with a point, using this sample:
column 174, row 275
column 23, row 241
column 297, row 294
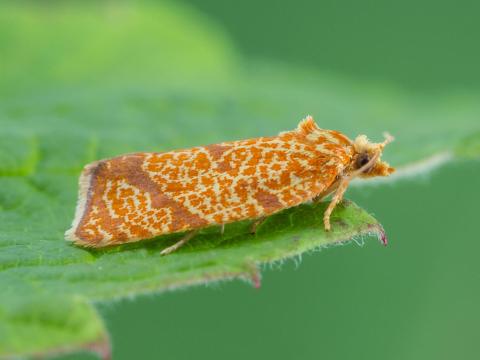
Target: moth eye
column 362, row 160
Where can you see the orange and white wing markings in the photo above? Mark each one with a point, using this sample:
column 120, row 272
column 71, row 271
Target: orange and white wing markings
column 139, row 196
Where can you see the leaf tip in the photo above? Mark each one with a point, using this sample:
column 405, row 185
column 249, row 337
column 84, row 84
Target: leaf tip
column 379, row 231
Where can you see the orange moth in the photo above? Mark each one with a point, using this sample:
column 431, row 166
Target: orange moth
column 143, row 195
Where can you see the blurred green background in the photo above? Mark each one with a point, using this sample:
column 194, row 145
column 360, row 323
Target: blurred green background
column 415, row 44
column 416, row 299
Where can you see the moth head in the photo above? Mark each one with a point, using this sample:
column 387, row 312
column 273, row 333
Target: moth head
column 367, row 159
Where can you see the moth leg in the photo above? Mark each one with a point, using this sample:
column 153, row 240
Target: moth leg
column 256, row 223
column 342, row 187
column 179, row 243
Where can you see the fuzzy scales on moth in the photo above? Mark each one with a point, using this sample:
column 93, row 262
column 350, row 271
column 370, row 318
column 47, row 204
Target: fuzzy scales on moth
column 143, row 195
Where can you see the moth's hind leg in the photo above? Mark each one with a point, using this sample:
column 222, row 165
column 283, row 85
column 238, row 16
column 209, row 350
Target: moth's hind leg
column 256, row 223
column 188, row 236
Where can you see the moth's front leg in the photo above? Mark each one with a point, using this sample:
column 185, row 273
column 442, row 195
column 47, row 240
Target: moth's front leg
column 342, row 187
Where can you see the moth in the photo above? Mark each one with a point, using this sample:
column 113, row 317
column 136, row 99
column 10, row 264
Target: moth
column 144, row 195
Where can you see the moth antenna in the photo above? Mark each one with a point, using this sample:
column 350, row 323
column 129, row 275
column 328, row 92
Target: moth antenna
column 388, row 139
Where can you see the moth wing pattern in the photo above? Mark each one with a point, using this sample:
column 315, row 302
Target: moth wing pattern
column 139, row 196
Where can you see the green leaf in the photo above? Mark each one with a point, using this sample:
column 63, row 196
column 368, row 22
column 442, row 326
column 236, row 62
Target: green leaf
column 116, row 79
column 55, row 324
